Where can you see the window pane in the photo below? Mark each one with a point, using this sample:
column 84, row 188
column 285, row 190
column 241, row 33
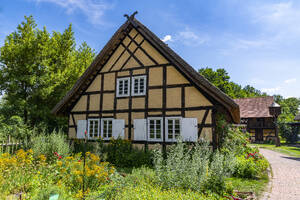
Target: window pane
column 104, row 128
column 177, row 133
column 158, row 122
column 110, row 128
column 125, row 87
column 158, row 133
column 158, row 129
column 91, row 129
column 177, row 127
column 136, row 86
column 142, row 80
column 152, row 133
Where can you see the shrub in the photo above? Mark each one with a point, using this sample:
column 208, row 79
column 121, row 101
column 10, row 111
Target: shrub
column 288, row 133
column 48, row 144
column 250, row 166
column 122, row 154
column 15, row 128
column 143, row 183
column 235, row 141
column 196, row 168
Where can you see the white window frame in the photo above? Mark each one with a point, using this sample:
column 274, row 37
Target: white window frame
column 161, row 127
column 98, row 133
column 173, row 139
column 132, row 85
column 102, row 128
column 118, row 85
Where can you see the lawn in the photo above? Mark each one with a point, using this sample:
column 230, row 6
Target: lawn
column 246, row 185
column 290, row 150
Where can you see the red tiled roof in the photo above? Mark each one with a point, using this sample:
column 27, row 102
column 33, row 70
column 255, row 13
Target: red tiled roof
column 255, row 107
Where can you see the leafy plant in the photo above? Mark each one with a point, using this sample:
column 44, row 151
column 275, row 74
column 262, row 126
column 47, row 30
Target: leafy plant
column 192, row 167
column 288, row 133
column 48, row 144
column 250, row 166
column 121, row 153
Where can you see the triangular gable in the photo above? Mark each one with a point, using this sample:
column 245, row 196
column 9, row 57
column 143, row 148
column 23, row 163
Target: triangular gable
column 119, row 44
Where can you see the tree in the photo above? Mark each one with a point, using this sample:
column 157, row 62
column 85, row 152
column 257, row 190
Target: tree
column 289, row 108
column 37, row 69
column 221, row 80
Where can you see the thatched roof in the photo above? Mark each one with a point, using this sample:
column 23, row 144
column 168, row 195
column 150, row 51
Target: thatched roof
column 64, row 105
column 255, row 107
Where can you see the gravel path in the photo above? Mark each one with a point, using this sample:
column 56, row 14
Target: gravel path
column 285, row 184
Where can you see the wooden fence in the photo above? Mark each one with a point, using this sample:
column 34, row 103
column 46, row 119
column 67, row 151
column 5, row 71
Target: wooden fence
column 11, row 145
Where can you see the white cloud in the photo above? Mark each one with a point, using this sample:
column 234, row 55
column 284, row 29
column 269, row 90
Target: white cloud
column 288, row 81
column 282, row 18
column 191, row 38
column 94, row 10
column 271, row 90
column 167, row 38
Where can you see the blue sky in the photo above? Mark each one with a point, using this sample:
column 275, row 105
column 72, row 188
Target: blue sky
column 256, row 41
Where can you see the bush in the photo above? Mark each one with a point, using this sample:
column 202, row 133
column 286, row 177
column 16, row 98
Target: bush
column 250, row 166
column 49, row 144
column 122, row 154
column 143, row 183
column 15, row 128
column 288, row 133
column 196, row 168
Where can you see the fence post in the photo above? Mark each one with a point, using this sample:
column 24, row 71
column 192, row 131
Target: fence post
column 12, row 146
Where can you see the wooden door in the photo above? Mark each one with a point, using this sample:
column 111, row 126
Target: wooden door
column 259, row 134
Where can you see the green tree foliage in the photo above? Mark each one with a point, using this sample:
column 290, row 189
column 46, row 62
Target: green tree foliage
column 37, row 69
column 221, row 80
column 289, row 108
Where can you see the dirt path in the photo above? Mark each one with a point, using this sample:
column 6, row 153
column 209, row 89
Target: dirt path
column 285, row 184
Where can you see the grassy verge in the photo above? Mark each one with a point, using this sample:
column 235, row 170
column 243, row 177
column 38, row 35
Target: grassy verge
column 257, row 186
column 284, row 148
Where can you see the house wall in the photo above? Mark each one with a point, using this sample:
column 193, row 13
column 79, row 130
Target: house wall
column 265, row 124
column 176, row 96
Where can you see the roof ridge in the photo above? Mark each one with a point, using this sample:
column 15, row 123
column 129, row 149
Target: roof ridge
column 198, row 80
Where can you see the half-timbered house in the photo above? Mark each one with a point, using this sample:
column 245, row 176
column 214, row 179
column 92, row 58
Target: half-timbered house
column 139, row 89
column 256, row 115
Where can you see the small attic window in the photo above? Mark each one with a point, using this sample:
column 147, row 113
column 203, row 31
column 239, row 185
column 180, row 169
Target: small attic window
column 138, row 85
column 123, row 87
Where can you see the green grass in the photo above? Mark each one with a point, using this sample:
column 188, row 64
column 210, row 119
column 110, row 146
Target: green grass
column 257, row 186
column 284, row 148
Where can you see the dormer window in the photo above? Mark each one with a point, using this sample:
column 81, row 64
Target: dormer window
column 138, row 85
column 123, row 87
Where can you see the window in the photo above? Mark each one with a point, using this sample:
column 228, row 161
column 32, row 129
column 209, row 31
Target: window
column 106, row 128
column 123, row 85
column 138, row 85
column 93, row 128
column 155, row 129
column 173, row 128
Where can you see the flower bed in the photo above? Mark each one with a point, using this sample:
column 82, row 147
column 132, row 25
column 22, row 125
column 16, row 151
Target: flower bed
column 34, row 176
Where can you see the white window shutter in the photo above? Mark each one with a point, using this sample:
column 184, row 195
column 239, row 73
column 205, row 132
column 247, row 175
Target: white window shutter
column 81, row 128
column 118, row 128
column 189, row 129
column 140, row 129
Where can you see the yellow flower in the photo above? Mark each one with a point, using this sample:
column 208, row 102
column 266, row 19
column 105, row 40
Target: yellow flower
column 59, row 163
column 30, row 151
column 95, row 158
column 42, row 158
column 77, row 172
